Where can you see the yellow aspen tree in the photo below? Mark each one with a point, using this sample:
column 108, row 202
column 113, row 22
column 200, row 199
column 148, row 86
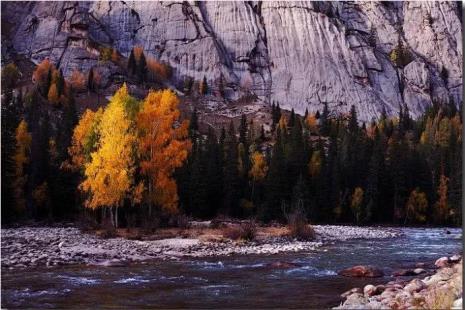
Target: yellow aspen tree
column 109, row 174
column 84, row 139
column 163, row 146
column 416, row 206
column 21, row 158
column 442, row 208
column 356, row 203
column 258, row 170
column 314, row 166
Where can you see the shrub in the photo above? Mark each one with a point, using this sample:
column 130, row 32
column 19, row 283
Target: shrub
column 299, row 227
column 105, row 53
column 400, row 55
column 246, row 231
column 10, row 76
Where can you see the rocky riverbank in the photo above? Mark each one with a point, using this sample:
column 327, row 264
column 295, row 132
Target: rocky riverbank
column 441, row 290
column 45, row 246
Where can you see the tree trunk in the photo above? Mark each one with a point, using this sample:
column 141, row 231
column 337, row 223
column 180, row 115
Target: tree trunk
column 116, row 217
column 111, row 217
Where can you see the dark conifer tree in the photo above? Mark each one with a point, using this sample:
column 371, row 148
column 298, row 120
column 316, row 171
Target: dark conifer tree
column 132, row 66
column 142, row 69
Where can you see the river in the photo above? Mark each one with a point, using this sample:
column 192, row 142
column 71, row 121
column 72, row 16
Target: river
column 226, row 282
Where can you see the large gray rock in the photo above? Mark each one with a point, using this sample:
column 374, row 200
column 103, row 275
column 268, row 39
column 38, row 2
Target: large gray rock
column 301, row 54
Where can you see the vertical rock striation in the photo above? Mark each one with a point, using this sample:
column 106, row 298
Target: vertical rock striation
column 301, row 54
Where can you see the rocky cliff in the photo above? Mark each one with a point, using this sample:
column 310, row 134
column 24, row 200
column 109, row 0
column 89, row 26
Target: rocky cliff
column 301, row 54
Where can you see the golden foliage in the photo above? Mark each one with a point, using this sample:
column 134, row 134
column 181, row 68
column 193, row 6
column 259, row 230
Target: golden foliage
column 40, row 74
column 21, row 158
column 109, row 174
column 314, row 166
column 78, row 80
column 442, row 208
column 312, row 123
column 138, row 51
column 259, row 167
column 283, row 123
column 53, row 95
column 80, row 148
column 416, row 206
column 163, row 146
column 158, row 71
column 356, row 203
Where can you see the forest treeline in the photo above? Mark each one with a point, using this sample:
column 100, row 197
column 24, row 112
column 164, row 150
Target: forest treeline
column 137, row 163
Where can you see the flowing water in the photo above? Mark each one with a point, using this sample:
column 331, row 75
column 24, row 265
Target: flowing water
column 226, row 282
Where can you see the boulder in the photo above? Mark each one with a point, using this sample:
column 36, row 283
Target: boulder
column 455, row 259
column 350, row 292
column 369, row 290
column 457, row 304
column 414, row 286
column 404, row 273
column 442, row 262
column 419, row 270
column 362, row 271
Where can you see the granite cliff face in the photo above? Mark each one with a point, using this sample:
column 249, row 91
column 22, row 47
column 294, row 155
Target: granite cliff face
column 301, row 54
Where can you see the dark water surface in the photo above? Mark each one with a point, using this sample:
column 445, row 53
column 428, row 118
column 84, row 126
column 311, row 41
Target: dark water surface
column 225, row 282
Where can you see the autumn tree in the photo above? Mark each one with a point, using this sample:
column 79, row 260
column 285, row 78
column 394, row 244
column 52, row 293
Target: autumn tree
column 314, row 166
column 356, row 204
column 109, row 174
column 21, row 158
column 78, row 80
column 163, row 146
column 43, row 75
column 312, row 123
column 441, row 206
column 416, row 207
column 53, row 96
column 84, row 139
column 258, row 170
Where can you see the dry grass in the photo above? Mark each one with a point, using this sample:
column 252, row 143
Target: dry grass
column 439, row 298
column 299, row 227
column 246, row 231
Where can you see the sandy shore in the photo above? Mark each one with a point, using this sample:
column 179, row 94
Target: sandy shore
column 46, row 246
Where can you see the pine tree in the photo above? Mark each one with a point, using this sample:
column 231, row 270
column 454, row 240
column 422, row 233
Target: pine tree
column 132, row 66
column 142, row 68
column 325, row 121
column 90, row 80
column 203, row 87
column 231, row 173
